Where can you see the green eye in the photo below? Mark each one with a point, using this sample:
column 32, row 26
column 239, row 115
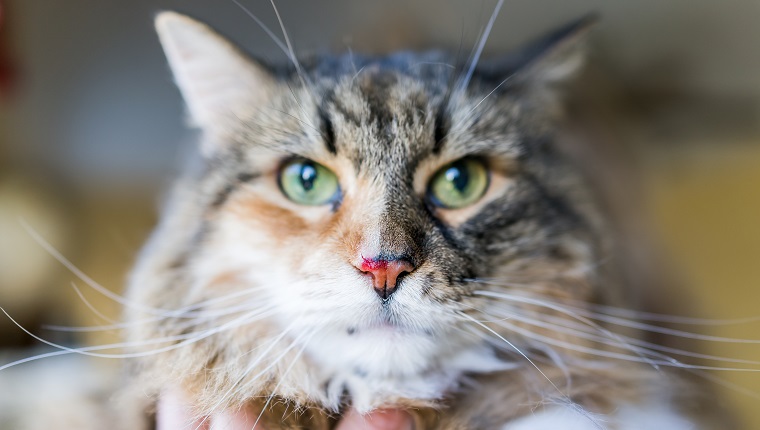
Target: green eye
column 308, row 183
column 459, row 184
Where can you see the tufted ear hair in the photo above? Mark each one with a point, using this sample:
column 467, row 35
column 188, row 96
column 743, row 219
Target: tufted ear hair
column 554, row 57
column 216, row 79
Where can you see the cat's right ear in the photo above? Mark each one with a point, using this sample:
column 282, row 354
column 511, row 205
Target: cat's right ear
column 552, row 58
column 216, row 79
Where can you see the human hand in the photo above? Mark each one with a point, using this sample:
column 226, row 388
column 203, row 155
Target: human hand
column 174, row 413
column 381, row 419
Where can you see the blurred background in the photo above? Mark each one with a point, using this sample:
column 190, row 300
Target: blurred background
column 91, row 132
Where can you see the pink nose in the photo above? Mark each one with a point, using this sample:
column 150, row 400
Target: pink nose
column 385, row 274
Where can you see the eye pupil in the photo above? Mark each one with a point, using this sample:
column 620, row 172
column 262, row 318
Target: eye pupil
column 458, row 177
column 308, row 176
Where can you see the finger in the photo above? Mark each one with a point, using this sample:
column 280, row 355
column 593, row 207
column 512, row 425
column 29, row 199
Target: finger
column 382, row 419
column 174, row 413
column 242, row 419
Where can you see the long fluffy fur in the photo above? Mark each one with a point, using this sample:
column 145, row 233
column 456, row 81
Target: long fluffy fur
column 244, row 297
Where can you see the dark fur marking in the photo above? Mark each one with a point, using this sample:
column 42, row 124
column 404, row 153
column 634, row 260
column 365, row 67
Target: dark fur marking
column 224, row 194
column 346, row 114
column 497, row 217
column 430, row 278
column 427, row 285
column 376, row 93
column 440, row 132
column 327, row 131
column 444, row 230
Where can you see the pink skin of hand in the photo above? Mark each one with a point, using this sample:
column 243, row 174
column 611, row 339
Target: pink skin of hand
column 381, row 419
column 174, row 413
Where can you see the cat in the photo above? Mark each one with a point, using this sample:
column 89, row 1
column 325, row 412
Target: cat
column 405, row 231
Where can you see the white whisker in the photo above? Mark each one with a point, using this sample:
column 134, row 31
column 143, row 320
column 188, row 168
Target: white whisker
column 235, row 388
column 282, row 378
column 620, row 321
column 481, row 44
column 356, row 74
column 291, row 52
column 662, row 361
column 512, row 346
column 90, row 306
column 187, row 312
column 561, row 326
column 263, row 26
column 469, row 113
column 566, row 312
column 185, row 340
column 81, row 275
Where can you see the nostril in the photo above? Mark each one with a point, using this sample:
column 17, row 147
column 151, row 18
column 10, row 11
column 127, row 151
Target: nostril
column 386, row 273
column 400, row 277
column 396, row 270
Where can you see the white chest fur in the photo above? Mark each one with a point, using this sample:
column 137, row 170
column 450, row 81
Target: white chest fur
column 416, row 367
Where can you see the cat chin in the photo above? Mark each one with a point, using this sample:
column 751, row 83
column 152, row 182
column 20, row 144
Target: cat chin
column 381, row 367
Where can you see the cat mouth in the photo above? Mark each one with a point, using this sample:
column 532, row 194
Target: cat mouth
column 388, row 327
column 389, row 321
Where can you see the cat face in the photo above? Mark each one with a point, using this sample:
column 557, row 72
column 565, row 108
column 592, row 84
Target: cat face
column 349, row 220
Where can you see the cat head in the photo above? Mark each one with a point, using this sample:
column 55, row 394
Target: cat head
column 358, row 219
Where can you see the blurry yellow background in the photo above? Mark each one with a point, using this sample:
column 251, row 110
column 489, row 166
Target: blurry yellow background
column 706, row 207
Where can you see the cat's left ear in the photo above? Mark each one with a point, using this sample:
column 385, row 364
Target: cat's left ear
column 216, row 79
column 555, row 57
